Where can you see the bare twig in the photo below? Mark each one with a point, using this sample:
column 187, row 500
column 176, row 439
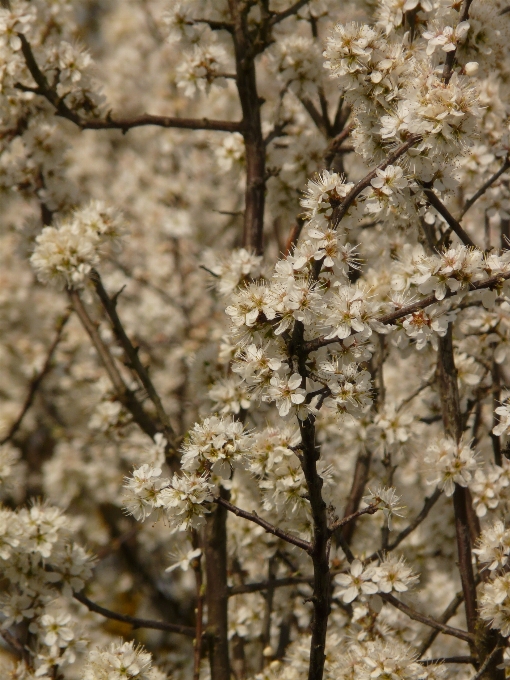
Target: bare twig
column 264, row 585
column 448, row 659
column 122, row 392
column 253, row 517
column 290, row 11
column 450, row 219
column 36, row 382
column 486, row 185
column 370, row 510
column 486, row 663
column 134, row 621
column 427, row 507
column 426, row 620
column 110, row 307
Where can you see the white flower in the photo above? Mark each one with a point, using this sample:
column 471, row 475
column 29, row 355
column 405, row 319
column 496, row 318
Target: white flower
column 184, row 560
column 450, row 463
column 357, row 583
column 184, row 498
column 394, row 575
column 120, row 661
column 286, row 392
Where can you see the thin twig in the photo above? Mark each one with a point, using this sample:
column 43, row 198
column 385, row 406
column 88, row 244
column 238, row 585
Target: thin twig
column 427, row 620
column 122, row 392
column 264, row 585
column 486, row 663
column 485, row 186
column 450, row 219
column 36, row 382
column 293, row 9
column 253, row 517
column 110, row 307
column 444, row 618
column 370, row 510
column 427, row 507
column 134, row 621
column 447, row 659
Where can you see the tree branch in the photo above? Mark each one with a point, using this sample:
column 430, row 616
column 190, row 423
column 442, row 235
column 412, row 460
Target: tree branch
column 45, row 90
column 370, row 510
column 253, row 517
column 426, row 620
column 293, row 9
column 486, row 185
column 450, row 219
column 36, row 382
column 134, row 621
column 122, row 392
column 491, row 283
column 110, row 307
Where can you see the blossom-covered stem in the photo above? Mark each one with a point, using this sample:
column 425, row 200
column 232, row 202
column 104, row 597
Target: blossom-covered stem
column 452, row 421
column 450, row 56
column 370, row 510
column 199, row 609
column 255, row 148
column 486, row 185
column 134, row 621
column 340, row 212
column 122, row 392
column 37, row 380
column 110, row 307
column 450, row 219
column 427, row 620
column 252, row 517
column 215, row 551
column 45, row 90
column 491, row 283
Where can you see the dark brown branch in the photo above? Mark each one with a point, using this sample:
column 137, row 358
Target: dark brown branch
column 264, row 585
column 134, row 621
column 426, row 620
column 255, row 147
column 253, row 517
column 49, row 93
column 359, row 482
column 335, row 145
column 199, row 610
column 126, row 396
column 215, row 549
column 450, row 219
column 36, row 382
column 471, row 201
column 110, row 307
